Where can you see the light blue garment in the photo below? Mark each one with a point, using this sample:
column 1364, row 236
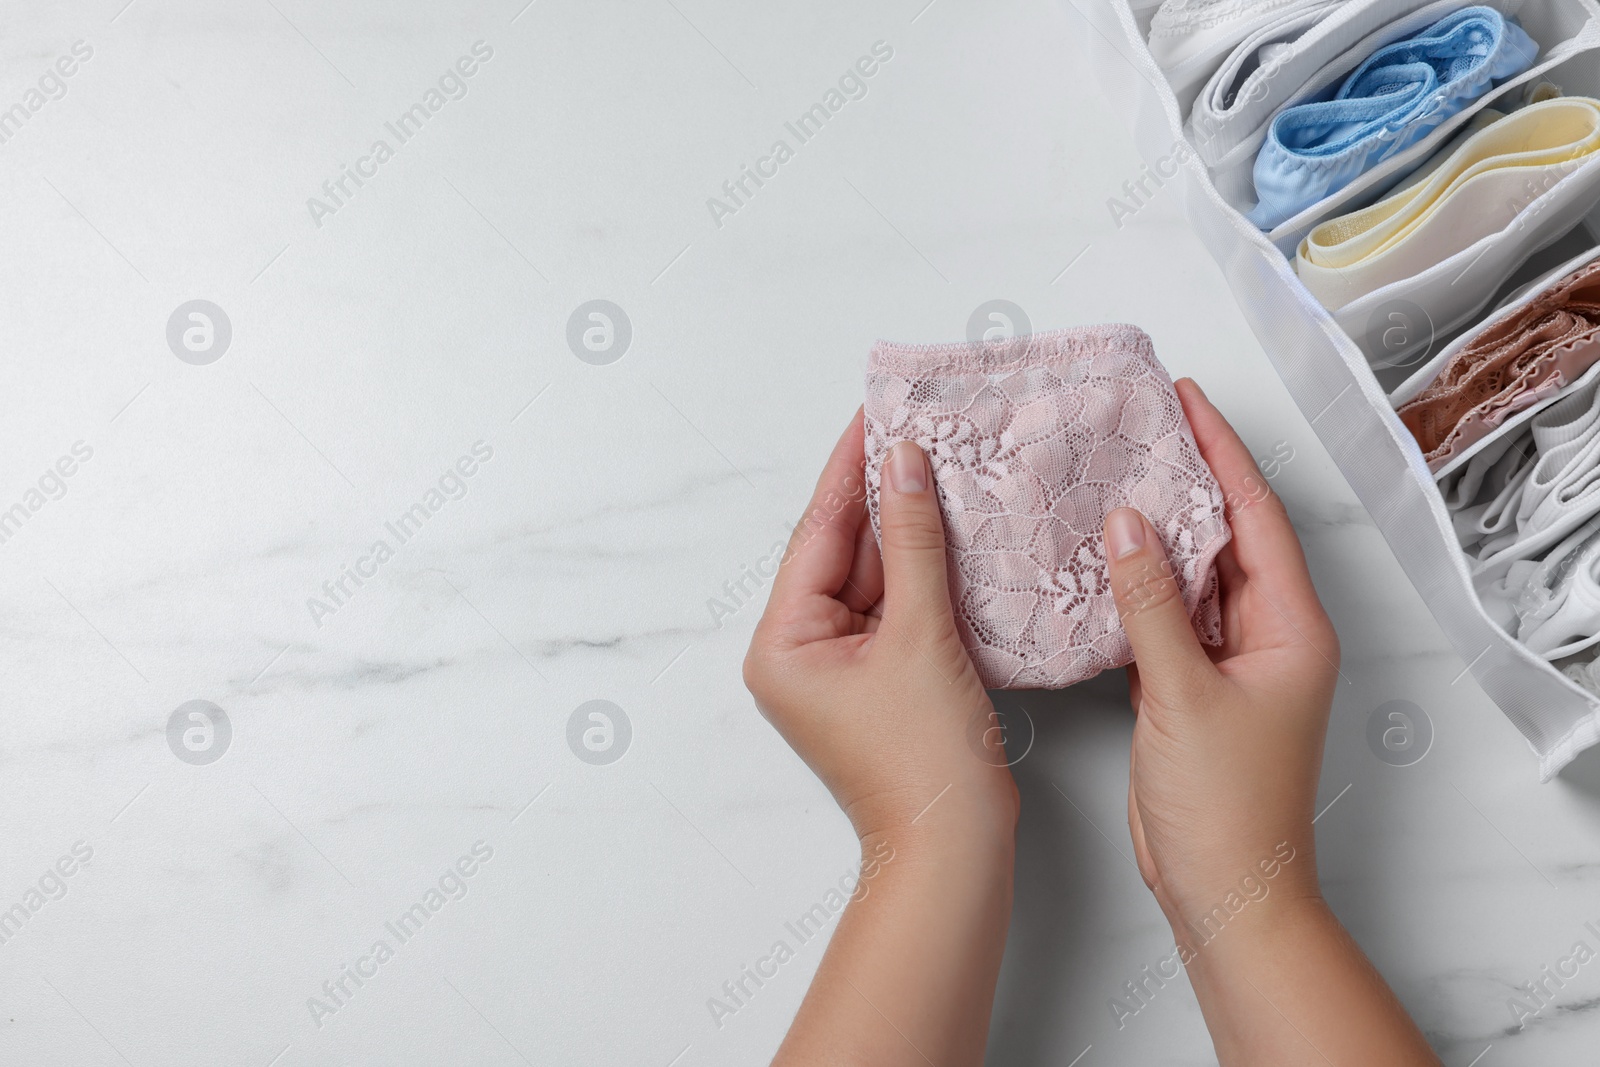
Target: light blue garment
column 1396, row 97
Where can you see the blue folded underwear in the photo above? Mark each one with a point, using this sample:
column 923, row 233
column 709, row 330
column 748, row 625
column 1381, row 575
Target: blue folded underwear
column 1396, row 97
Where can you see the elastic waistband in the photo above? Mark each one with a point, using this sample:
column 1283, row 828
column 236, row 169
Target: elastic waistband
column 992, row 357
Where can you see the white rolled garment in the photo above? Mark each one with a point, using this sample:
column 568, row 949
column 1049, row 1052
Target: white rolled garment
column 1483, row 495
column 1558, row 605
column 1527, row 506
column 1189, row 38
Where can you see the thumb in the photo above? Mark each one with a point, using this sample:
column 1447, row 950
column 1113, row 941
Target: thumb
column 1171, row 662
column 916, row 588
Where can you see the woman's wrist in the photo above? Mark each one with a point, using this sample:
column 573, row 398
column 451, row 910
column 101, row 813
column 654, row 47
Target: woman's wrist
column 1283, row 984
column 971, row 809
column 1225, row 937
column 920, row 943
column 963, row 838
column 1280, row 886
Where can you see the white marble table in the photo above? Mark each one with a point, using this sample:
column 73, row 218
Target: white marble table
column 395, row 766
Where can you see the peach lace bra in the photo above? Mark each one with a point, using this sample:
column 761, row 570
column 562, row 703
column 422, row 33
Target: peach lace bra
column 1511, row 365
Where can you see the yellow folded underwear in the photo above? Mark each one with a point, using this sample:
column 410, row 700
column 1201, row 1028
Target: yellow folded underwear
column 1478, row 185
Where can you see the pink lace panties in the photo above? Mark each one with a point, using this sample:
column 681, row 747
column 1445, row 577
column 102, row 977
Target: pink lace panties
column 1032, row 442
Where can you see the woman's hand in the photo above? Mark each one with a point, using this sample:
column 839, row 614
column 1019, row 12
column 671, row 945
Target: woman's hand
column 1227, row 750
column 858, row 663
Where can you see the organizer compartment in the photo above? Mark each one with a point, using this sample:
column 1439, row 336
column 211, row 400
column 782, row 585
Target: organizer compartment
column 1508, row 307
column 1259, row 87
column 1455, row 291
column 1570, row 64
column 1234, row 177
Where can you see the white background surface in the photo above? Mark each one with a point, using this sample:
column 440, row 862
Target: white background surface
column 370, row 352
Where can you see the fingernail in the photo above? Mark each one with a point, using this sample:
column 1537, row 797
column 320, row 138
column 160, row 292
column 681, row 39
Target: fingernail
column 908, row 471
column 1124, row 532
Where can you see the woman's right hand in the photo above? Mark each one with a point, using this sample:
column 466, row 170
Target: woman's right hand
column 1227, row 748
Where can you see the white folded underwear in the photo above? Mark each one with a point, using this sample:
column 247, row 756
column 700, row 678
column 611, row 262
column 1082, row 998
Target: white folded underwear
column 1189, row 37
column 1529, row 491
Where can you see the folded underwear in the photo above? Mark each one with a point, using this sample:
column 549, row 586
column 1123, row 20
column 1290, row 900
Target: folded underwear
column 1480, row 186
column 1393, row 99
column 1032, row 441
column 1189, row 37
column 1519, row 360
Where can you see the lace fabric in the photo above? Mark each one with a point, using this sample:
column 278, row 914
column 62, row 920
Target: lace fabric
column 1512, row 364
column 1032, row 442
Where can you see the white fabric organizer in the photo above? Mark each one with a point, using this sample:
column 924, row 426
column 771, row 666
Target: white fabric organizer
column 1326, row 369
